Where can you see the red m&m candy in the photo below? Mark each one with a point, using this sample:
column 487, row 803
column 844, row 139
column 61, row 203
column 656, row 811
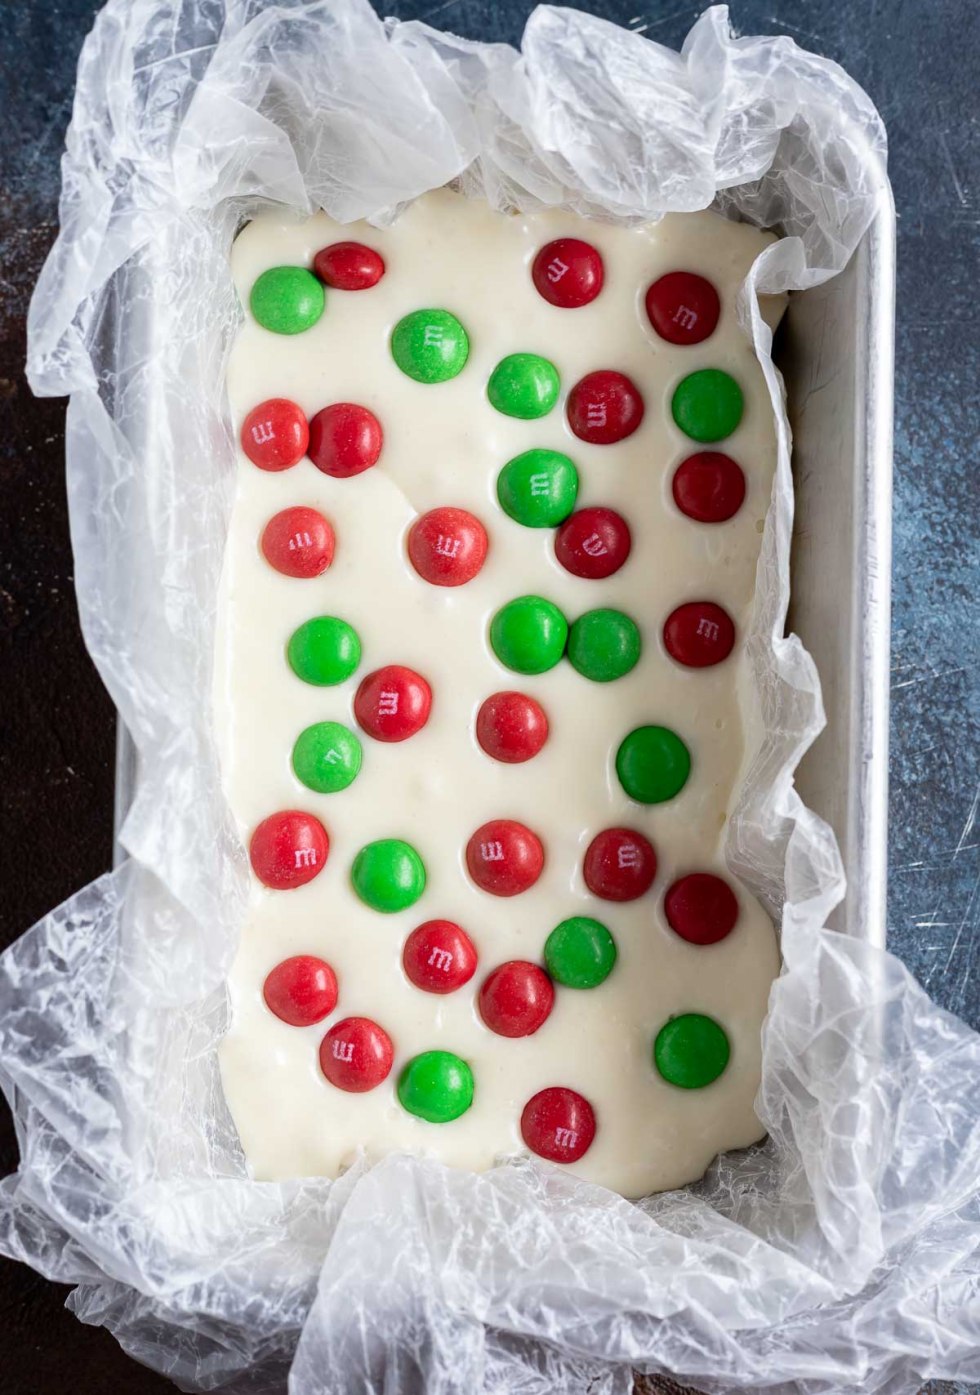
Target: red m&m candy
column 709, row 487
column 683, row 308
column 275, row 434
column 701, row 908
column 568, row 272
column 439, row 957
column 356, row 1055
column 298, row 542
column 345, row 439
column 349, row 266
column 504, row 857
column 511, row 727
column 288, row 849
column 516, row 998
column 699, row 634
column 393, row 703
column 620, row 864
column 593, row 543
column 604, row 407
column 558, row 1124
column 301, row 990
column 447, row 546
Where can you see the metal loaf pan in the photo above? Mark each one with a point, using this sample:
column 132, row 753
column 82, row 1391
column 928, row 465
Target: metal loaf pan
column 835, row 350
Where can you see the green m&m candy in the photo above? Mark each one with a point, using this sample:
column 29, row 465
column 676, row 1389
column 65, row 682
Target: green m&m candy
column 287, row 299
column 652, row 764
column 388, row 875
column 580, row 952
column 528, row 634
column 707, row 405
column 691, row 1051
column 327, row 757
column 430, row 346
column 538, row 488
column 437, row 1086
column 324, row 651
column 603, row 645
column 524, row 385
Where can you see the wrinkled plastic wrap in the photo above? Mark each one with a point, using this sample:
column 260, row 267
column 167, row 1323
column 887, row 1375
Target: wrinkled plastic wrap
column 841, row 1255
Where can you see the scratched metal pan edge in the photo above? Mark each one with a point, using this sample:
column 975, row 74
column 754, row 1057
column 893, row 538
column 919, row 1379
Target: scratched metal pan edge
column 836, row 353
column 835, row 350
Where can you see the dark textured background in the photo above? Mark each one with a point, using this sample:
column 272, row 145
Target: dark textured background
column 918, row 59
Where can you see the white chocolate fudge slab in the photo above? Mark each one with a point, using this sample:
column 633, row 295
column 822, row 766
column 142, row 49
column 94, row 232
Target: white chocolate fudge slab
column 444, row 444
